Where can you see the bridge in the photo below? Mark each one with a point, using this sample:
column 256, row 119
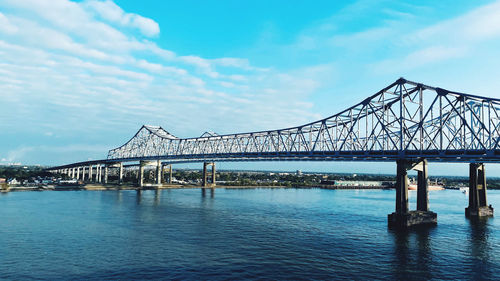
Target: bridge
column 406, row 122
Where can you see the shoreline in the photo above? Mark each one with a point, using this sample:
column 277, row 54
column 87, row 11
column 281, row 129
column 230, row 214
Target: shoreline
column 101, row 187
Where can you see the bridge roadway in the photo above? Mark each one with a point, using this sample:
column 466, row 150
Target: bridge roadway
column 407, row 122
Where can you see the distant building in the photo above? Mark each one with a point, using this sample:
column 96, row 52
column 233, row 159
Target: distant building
column 354, row 184
column 13, row 181
column 299, row 173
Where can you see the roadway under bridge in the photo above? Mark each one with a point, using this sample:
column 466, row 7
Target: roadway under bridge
column 406, row 122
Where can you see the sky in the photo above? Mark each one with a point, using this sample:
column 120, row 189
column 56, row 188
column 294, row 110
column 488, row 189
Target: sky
column 78, row 78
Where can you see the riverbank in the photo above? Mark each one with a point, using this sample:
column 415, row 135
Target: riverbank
column 100, row 187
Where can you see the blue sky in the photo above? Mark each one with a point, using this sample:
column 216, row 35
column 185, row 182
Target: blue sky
column 78, row 78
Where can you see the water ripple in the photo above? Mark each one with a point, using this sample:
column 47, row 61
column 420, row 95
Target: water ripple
column 308, row 234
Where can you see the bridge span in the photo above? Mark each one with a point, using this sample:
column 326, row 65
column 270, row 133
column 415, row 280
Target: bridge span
column 406, row 122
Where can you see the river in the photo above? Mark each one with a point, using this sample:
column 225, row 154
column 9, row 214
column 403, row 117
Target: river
column 238, row 234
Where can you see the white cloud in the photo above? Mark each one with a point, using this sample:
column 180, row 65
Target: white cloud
column 403, row 44
column 479, row 24
column 160, row 68
column 109, row 11
column 203, row 65
column 6, row 26
column 71, row 75
column 419, row 58
column 18, row 154
column 233, row 62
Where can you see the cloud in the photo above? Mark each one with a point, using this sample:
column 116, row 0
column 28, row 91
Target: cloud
column 203, row 65
column 75, row 74
column 398, row 43
column 111, row 12
column 6, row 26
column 28, row 154
column 479, row 24
column 419, row 58
column 17, row 154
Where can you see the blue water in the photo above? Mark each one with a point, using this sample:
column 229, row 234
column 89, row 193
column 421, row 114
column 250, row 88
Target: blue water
column 239, row 234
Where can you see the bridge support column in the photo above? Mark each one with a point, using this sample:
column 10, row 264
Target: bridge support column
column 120, row 173
column 478, row 204
column 98, row 173
column 422, row 187
column 101, row 173
column 170, row 174
column 90, row 173
column 404, row 218
column 158, row 172
column 83, row 173
column 205, row 183
column 105, row 174
column 213, row 174
column 401, row 187
column 163, row 171
column 77, row 173
column 140, row 174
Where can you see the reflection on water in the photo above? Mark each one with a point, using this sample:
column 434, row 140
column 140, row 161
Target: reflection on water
column 412, row 252
column 239, row 234
column 139, row 196
column 479, row 246
column 204, row 192
column 157, row 197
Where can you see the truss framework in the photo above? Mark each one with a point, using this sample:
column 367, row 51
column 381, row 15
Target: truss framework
column 404, row 120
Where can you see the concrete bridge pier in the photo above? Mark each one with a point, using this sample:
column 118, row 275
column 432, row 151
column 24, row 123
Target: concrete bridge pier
column 90, row 173
column 169, row 172
column 422, row 186
column 158, row 172
column 204, row 182
column 98, row 173
column 77, row 173
column 101, row 173
column 83, row 173
column 105, row 174
column 120, row 173
column 140, row 174
column 404, row 218
column 478, row 204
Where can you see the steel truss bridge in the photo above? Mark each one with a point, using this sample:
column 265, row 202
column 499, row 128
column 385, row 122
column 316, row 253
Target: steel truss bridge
column 406, row 122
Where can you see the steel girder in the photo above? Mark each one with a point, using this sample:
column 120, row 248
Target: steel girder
column 404, row 120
